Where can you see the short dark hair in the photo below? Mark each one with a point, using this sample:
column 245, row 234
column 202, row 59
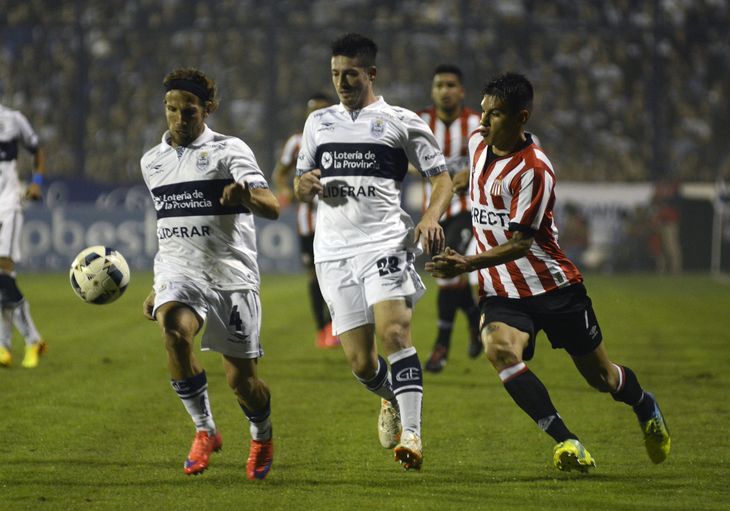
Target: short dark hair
column 450, row 69
column 512, row 88
column 196, row 76
column 356, row 46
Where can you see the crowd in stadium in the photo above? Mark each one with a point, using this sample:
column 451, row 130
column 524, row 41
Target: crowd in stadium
column 629, row 90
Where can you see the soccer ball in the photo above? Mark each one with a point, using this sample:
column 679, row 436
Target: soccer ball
column 99, row 275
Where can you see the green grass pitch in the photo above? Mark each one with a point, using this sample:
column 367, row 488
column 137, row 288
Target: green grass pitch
column 97, row 426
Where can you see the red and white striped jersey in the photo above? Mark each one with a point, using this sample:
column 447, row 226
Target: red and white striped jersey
column 453, row 140
column 306, row 211
column 517, row 193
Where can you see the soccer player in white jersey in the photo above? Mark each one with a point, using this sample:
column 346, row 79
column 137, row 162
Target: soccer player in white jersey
column 526, row 282
column 306, row 221
column 15, row 130
column 206, row 187
column 354, row 156
column 451, row 123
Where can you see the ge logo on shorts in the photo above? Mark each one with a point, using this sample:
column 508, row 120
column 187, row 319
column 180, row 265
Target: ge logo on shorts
column 326, row 160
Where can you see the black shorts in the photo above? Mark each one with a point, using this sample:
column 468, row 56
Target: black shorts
column 566, row 315
column 306, row 250
column 458, row 231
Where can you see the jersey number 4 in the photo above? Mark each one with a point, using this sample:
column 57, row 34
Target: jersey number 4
column 235, row 320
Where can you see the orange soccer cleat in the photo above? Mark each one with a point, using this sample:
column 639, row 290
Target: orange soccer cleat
column 260, row 457
column 203, row 445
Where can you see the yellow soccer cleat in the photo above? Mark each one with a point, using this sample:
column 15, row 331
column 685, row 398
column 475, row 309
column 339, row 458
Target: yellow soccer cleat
column 409, row 451
column 33, row 352
column 656, row 435
column 571, row 455
column 6, row 358
column 388, row 425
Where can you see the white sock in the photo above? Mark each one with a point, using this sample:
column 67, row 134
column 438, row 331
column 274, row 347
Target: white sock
column 407, row 383
column 193, row 392
column 6, row 327
column 261, row 431
column 24, row 323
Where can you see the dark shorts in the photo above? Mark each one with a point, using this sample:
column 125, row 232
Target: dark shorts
column 566, row 315
column 306, row 250
column 458, row 231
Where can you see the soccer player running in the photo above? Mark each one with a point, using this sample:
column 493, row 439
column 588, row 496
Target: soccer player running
column 206, row 187
column 452, row 123
column 354, row 156
column 527, row 284
column 14, row 308
column 306, row 220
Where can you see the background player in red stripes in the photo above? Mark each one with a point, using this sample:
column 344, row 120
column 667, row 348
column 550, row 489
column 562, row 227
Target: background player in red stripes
column 306, row 215
column 526, row 282
column 451, row 124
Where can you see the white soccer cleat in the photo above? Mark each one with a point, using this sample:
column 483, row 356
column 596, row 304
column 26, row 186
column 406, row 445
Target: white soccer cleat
column 409, row 452
column 389, row 426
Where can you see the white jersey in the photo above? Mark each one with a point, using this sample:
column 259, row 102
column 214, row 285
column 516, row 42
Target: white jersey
column 14, row 129
column 363, row 156
column 199, row 239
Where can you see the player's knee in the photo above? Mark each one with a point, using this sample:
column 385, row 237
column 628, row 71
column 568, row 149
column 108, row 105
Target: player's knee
column 394, row 334
column 176, row 341
column 6, row 264
column 500, row 351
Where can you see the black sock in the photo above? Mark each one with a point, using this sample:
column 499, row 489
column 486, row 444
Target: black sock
column 447, row 306
column 321, row 317
column 468, row 304
column 630, row 392
column 531, row 395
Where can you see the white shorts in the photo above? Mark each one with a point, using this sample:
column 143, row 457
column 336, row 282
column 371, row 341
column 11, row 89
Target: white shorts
column 352, row 286
column 232, row 318
column 10, row 224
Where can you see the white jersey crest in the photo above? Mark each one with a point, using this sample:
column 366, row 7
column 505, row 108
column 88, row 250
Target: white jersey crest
column 199, row 239
column 363, row 157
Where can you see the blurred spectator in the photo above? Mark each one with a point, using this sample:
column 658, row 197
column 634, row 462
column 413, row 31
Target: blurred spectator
column 665, row 207
column 613, row 75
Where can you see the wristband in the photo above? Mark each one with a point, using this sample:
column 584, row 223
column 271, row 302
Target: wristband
column 37, row 179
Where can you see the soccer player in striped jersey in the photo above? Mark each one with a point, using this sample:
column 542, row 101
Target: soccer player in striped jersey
column 306, row 218
column 206, row 187
column 451, row 123
column 15, row 130
column 526, row 282
column 354, row 156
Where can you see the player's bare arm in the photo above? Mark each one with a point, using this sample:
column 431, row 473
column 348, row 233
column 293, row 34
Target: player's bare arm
column 308, row 185
column 34, row 192
column 451, row 263
column 428, row 230
column 148, row 305
column 259, row 200
column 460, row 181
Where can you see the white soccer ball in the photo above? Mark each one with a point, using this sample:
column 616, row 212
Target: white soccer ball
column 99, row 275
